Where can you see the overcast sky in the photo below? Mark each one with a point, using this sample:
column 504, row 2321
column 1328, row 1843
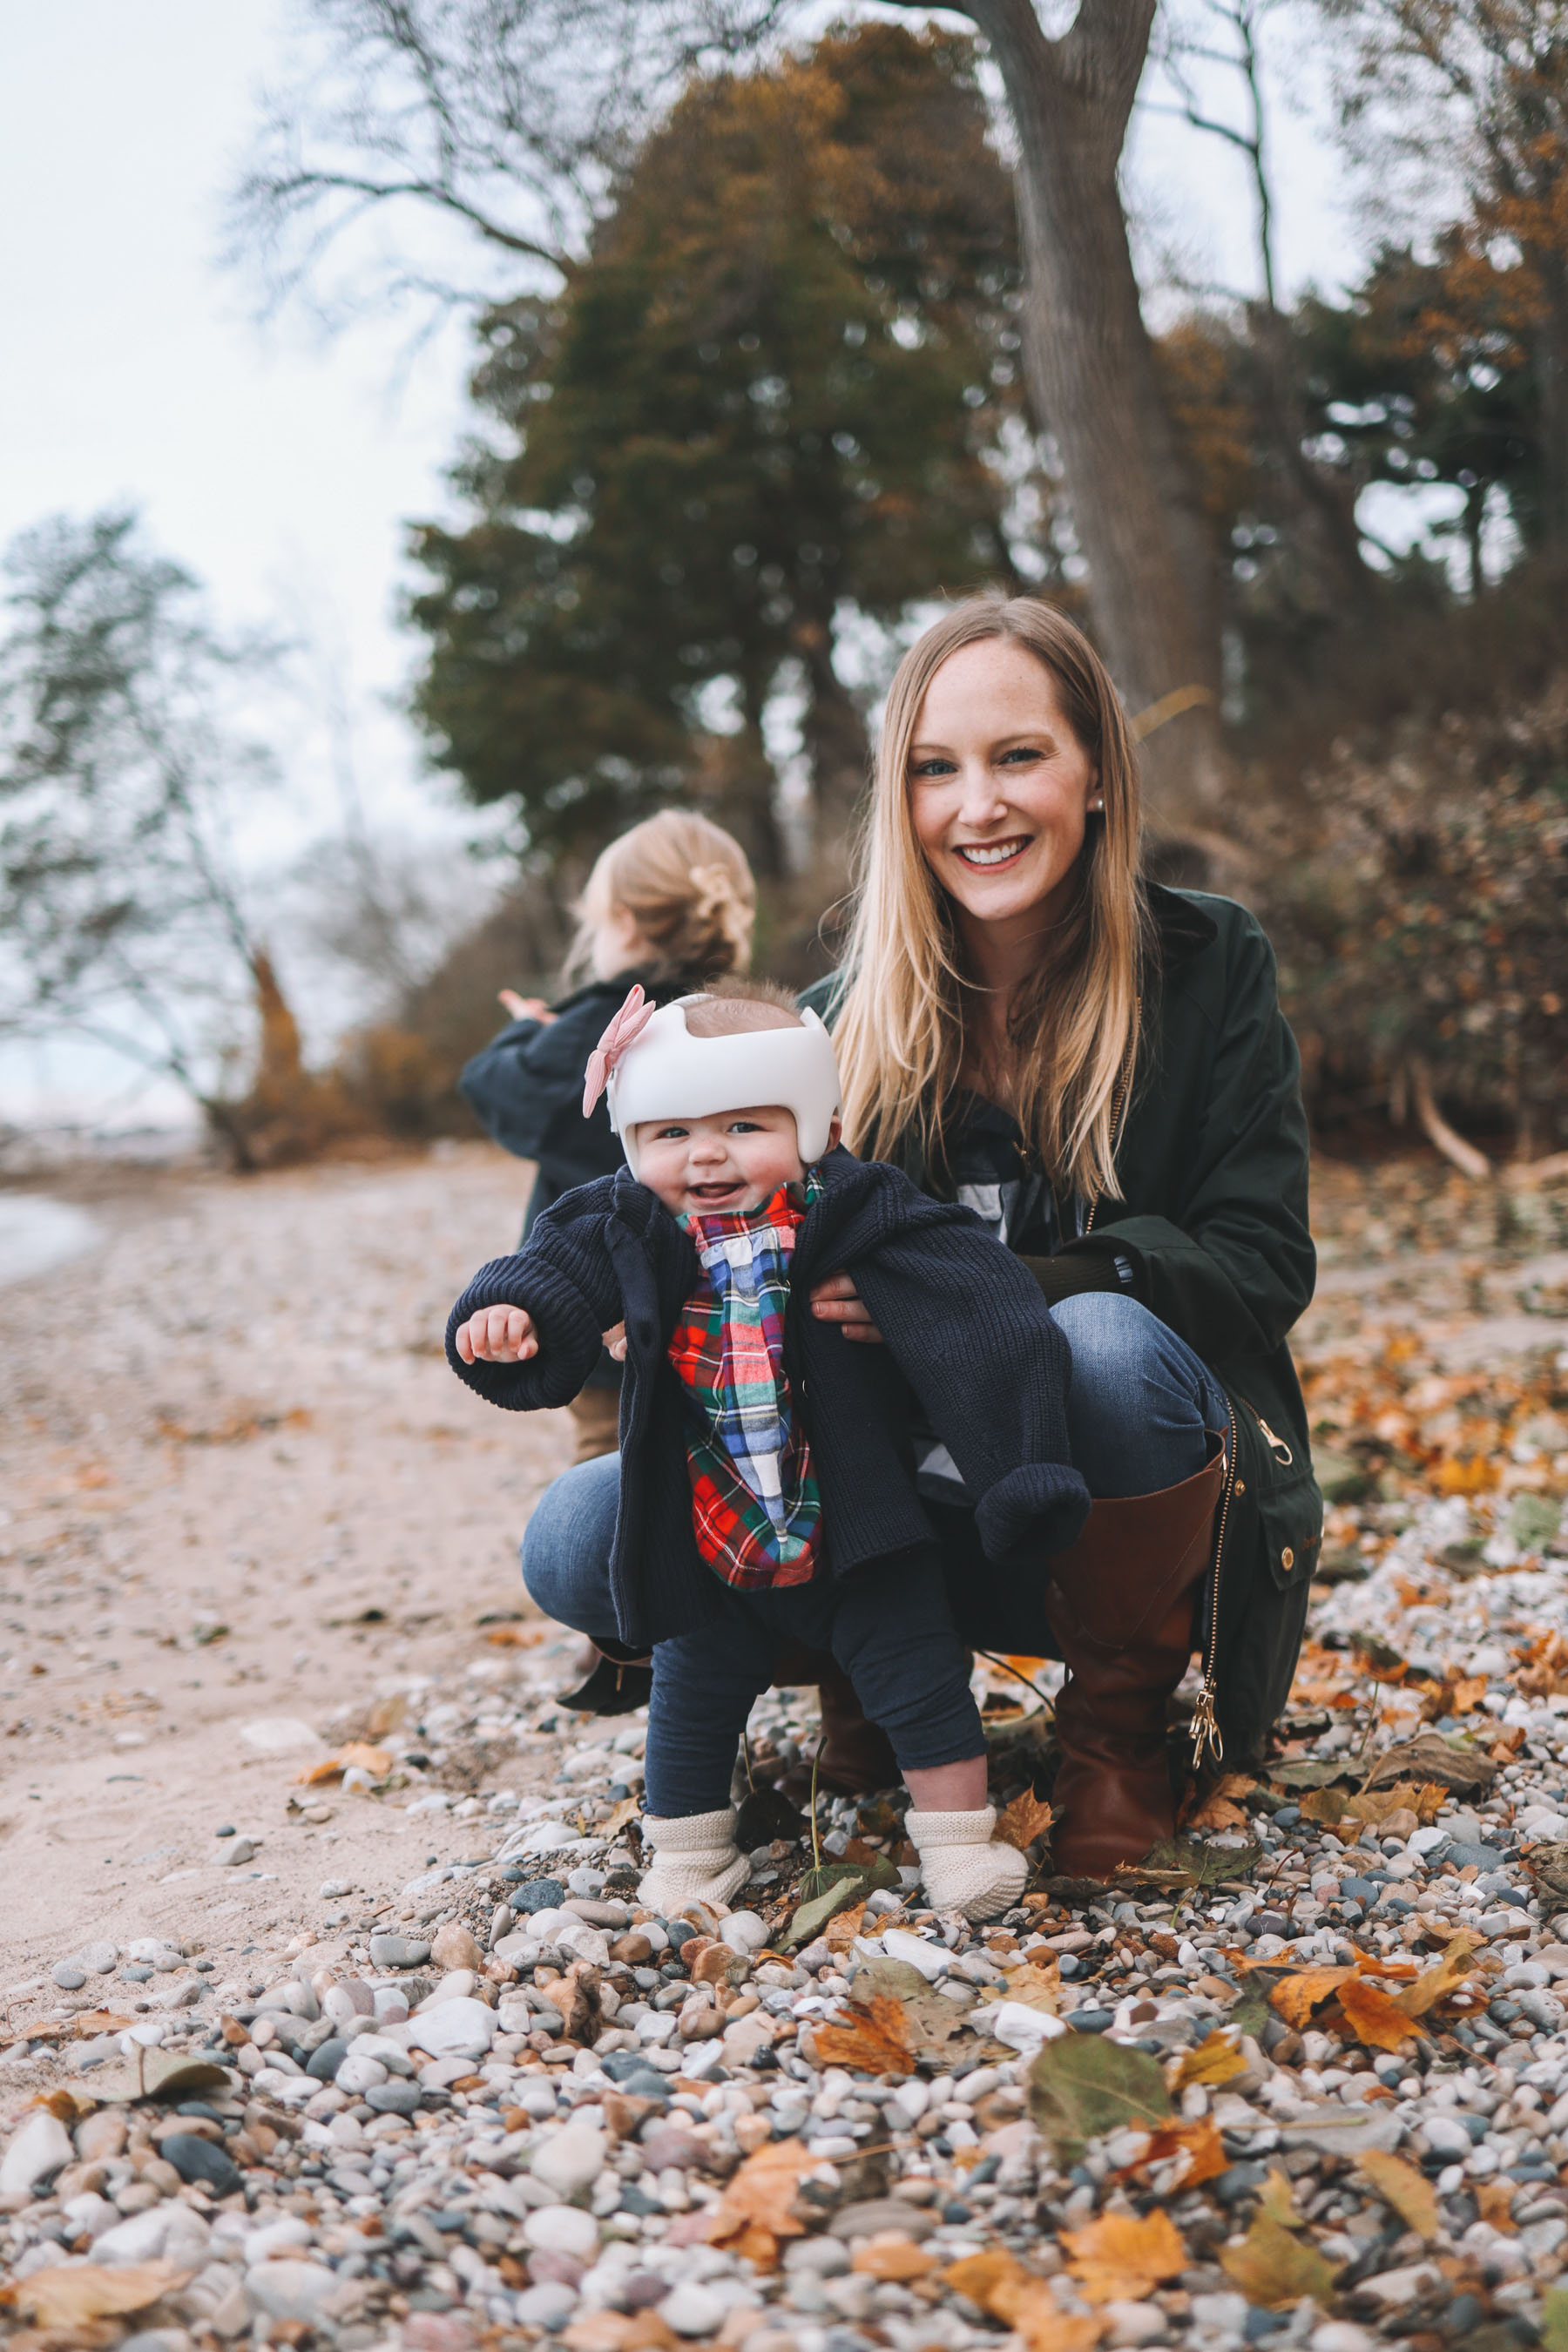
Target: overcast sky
column 281, row 466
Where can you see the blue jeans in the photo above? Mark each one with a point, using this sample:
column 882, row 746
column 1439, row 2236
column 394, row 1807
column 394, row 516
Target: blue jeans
column 1139, row 1415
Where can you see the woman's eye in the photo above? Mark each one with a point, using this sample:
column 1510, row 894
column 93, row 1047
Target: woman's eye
column 925, row 768
column 1020, row 754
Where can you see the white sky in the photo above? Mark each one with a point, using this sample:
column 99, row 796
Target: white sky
column 278, row 464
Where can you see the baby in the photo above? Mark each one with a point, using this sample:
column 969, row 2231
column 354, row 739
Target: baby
column 767, row 1484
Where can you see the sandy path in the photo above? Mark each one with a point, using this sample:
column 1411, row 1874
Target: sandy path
column 235, row 1414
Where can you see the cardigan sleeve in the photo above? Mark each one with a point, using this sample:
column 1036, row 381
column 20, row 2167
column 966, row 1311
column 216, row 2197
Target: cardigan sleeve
column 565, row 1280
column 970, row 1332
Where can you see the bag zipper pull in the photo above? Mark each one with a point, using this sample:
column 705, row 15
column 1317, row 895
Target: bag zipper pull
column 1205, row 1732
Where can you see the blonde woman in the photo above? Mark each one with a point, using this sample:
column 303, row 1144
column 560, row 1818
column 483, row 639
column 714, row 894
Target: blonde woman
column 1099, row 1068
column 670, row 904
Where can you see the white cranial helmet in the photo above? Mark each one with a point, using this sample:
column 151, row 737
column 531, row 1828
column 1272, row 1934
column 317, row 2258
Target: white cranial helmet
column 668, row 1073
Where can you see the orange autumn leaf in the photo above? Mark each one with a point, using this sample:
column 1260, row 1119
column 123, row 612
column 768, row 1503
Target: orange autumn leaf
column 875, row 2038
column 1445, row 1977
column 1023, row 2301
column 1372, row 2017
column 1494, row 2200
column 1297, row 1995
column 1216, row 2060
column 1028, row 1817
column 1198, row 2141
column 843, row 1928
column 356, row 1755
column 1036, row 1987
column 1120, row 2259
column 1466, row 1694
column 892, row 2257
column 756, row 2207
column 70, row 2296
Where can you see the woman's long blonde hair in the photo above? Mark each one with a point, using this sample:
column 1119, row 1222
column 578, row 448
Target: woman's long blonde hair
column 687, row 885
column 1073, row 1027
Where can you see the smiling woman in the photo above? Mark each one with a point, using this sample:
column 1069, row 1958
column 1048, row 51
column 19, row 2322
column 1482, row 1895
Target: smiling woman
column 1099, row 1069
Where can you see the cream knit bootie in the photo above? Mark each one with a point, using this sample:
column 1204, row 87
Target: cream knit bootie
column 961, row 1869
column 695, row 1859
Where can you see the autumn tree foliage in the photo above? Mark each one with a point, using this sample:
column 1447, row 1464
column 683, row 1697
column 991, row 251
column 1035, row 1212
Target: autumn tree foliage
column 773, row 389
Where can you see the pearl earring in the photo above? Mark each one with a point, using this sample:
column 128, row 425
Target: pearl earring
column 1097, row 807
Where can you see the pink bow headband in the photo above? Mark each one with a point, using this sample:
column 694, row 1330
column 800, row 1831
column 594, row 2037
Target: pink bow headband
column 624, row 1031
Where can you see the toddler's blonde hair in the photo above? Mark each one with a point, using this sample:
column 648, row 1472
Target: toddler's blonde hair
column 688, row 886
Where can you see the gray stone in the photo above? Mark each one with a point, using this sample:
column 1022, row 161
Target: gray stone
column 571, row 2160
column 877, row 2213
column 324, row 2060
column 693, row 2310
column 1447, row 2136
column 538, row 1895
column 197, row 2160
column 291, row 2290
column 41, row 2148
column 68, row 1980
column 395, row 2098
column 563, row 2229
column 229, row 1855
column 548, row 2306
column 388, row 1952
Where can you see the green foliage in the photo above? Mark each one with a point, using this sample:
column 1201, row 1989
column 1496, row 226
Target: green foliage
column 769, row 389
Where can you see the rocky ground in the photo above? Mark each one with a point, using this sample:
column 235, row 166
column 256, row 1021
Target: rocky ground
column 415, row 2071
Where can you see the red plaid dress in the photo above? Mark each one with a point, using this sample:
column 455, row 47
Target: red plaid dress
column 754, row 1505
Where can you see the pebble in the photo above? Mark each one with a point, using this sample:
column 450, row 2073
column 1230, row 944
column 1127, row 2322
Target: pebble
column 196, row 2159
column 563, row 2229
column 34, row 2154
column 68, row 1978
column 388, row 1951
column 571, row 2161
column 693, row 2310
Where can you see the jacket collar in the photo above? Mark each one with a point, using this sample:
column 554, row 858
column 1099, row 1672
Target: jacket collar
column 1183, row 928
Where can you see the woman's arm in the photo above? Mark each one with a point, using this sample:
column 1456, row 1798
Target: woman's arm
column 519, row 1082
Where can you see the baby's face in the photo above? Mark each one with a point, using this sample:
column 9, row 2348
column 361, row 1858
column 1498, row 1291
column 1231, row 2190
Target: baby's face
column 732, row 1159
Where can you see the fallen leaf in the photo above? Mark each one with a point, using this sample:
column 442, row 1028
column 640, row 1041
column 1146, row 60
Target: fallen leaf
column 1327, row 1806
column 1028, row 1817
column 1494, row 2202
column 1122, row 2259
column 756, row 2207
column 1274, row 2268
column 1198, row 2141
column 1445, row 1977
column 1308, row 1773
column 1430, row 1756
column 1036, row 1986
column 1221, row 1808
column 1406, row 2190
column 1296, row 1996
column 843, row 1928
column 1554, row 2320
column 1374, row 2018
column 66, row 2296
column 1081, row 2086
column 893, row 2257
column 832, row 1889
column 1216, row 2060
column 1467, row 1695
column 875, row 2038
column 356, row 1757
column 1277, row 2199
column 1023, row 2301
column 625, row 1810
column 1374, row 1805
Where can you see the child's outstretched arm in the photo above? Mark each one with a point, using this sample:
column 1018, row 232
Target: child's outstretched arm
column 497, row 1335
column 525, row 1334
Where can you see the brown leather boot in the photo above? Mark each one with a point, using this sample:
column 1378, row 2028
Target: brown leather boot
column 1120, row 1603
column 857, row 1758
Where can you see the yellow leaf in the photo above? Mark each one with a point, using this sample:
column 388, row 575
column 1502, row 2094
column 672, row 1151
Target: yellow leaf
column 1401, row 2186
column 1036, row 1987
column 1494, row 2200
column 1324, row 1805
column 1198, row 2141
column 891, row 2255
column 626, row 1811
column 1216, row 2059
column 875, row 2038
column 1446, row 1975
column 1277, row 2199
column 68, row 2297
column 1379, row 2022
column 356, row 1755
column 1273, row 2267
column 1028, row 1817
column 1120, row 2259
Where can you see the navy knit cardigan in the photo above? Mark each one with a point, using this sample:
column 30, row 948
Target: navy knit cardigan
column 966, row 1327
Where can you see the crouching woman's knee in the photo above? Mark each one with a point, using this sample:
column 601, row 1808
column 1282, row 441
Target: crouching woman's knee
column 567, row 1544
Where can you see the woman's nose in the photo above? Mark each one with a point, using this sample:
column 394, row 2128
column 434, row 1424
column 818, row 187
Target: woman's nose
column 980, row 799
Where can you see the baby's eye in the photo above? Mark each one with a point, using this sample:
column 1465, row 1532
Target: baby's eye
column 746, row 1127
column 670, row 1135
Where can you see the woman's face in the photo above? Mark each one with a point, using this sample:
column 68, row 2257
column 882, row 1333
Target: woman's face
column 1000, row 787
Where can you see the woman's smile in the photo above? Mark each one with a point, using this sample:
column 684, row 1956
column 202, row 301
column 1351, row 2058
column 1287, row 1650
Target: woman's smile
column 988, row 855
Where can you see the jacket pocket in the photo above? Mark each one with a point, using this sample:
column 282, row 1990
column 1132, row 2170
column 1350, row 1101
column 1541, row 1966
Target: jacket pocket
column 1290, row 1525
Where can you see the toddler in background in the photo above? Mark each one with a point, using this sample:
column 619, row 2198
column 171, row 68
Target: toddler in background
column 767, row 1492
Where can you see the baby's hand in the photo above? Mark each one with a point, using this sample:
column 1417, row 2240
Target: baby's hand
column 498, row 1335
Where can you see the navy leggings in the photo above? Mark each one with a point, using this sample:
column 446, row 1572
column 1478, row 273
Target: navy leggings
column 890, row 1629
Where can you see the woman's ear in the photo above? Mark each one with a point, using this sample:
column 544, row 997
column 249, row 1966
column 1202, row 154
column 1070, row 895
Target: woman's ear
column 1096, row 796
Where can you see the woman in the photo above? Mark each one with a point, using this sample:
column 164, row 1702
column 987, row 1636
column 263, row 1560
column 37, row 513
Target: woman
column 1099, row 1068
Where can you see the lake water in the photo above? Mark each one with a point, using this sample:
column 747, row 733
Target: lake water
column 37, row 1233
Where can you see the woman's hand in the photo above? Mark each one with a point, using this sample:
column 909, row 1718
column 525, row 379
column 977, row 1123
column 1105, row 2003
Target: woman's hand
column 836, row 1300
column 498, row 1335
column 614, row 1340
column 526, row 1008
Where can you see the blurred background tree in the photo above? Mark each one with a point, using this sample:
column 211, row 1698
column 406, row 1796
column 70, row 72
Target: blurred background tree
column 772, row 390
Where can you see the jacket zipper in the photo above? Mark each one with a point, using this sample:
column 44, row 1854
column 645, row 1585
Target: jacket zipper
column 1207, row 1736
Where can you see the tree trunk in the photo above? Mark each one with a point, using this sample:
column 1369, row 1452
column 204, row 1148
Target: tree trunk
column 1152, row 584
column 836, row 745
column 1552, row 375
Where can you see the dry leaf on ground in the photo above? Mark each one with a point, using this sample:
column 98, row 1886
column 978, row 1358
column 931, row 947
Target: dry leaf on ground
column 1445, row 1977
column 1376, row 2019
column 754, row 2212
column 1198, row 2141
column 1494, row 2202
column 1375, row 1806
column 356, row 1757
column 1120, row 2259
column 1001, row 2285
column 843, row 1928
column 65, row 2297
column 1216, row 2060
column 1273, row 2267
column 1028, row 1817
column 892, row 2257
column 1036, row 1986
column 1222, row 1809
column 1401, row 2186
column 875, row 2038
column 1325, row 1806
column 1297, row 1995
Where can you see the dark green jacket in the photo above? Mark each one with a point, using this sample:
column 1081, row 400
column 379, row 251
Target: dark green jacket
column 1212, row 1219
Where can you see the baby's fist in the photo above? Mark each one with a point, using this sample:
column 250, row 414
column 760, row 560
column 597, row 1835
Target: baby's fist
column 498, row 1335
